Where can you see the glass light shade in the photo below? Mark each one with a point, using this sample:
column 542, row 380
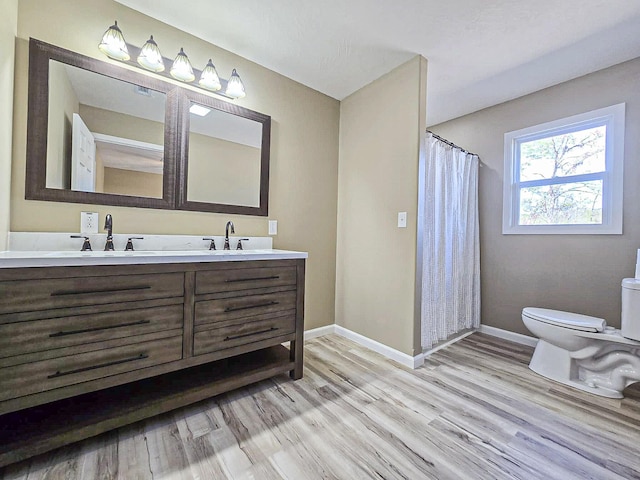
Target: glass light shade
column 181, row 69
column 209, row 78
column 235, row 88
column 150, row 56
column 113, row 44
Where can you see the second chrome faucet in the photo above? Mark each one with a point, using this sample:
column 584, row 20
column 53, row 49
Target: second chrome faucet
column 108, row 226
column 226, row 234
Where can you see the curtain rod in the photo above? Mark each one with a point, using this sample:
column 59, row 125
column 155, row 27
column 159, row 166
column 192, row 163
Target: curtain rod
column 451, row 144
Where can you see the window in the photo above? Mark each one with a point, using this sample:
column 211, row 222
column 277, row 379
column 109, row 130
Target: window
column 565, row 176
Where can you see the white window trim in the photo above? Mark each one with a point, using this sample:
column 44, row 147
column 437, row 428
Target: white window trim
column 612, row 178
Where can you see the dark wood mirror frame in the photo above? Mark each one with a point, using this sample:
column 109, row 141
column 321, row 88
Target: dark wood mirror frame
column 189, row 96
column 176, row 134
column 40, row 54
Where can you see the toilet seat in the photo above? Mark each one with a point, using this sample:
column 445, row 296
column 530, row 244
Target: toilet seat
column 572, row 321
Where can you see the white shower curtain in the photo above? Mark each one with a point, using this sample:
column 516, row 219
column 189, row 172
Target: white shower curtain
column 450, row 243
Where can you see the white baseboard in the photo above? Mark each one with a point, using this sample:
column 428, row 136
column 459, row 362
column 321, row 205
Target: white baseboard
column 507, row 335
column 418, row 360
column 319, row 332
column 391, row 353
column 381, row 348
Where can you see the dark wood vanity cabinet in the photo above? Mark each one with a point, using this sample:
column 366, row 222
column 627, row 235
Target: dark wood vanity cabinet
column 87, row 349
column 239, row 306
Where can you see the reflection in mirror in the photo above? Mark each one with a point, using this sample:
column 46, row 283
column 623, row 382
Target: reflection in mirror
column 105, row 135
column 224, row 157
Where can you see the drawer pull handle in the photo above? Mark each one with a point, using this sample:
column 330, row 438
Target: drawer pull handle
column 102, row 365
column 234, row 337
column 97, row 329
column 247, row 307
column 272, row 277
column 60, row 293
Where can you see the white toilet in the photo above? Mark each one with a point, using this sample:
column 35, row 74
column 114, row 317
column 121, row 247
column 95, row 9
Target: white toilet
column 583, row 351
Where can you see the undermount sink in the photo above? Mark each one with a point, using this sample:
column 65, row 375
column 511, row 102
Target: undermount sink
column 53, row 249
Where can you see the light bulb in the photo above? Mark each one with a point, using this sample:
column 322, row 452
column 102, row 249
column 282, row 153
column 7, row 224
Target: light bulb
column 181, row 69
column 113, row 44
column 150, row 56
column 209, row 78
column 235, row 88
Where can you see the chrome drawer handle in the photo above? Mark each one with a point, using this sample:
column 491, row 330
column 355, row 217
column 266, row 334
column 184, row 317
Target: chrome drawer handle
column 234, row 337
column 273, row 277
column 97, row 329
column 105, row 290
column 102, row 365
column 235, row 309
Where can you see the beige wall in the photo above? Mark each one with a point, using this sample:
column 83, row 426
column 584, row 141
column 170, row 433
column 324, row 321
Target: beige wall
column 131, row 182
column 107, row 122
column 578, row 273
column 304, row 145
column 219, row 171
column 223, row 172
column 380, row 137
column 8, row 28
column 62, row 106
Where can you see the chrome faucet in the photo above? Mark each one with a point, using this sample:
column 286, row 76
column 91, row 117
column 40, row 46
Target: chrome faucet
column 226, row 234
column 108, row 226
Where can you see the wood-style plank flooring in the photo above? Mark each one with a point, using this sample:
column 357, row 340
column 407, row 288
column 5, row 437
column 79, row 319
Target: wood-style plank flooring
column 474, row 411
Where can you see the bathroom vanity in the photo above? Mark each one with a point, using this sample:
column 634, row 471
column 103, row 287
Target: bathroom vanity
column 89, row 343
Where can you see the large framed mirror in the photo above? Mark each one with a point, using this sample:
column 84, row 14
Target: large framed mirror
column 98, row 133
column 224, row 163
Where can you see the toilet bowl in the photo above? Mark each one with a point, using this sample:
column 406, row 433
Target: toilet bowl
column 585, row 353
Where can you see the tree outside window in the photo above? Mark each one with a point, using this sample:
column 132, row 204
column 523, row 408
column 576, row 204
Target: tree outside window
column 565, row 176
column 560, row 159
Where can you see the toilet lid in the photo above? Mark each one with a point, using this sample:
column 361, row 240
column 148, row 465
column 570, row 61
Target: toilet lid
column 570, row 320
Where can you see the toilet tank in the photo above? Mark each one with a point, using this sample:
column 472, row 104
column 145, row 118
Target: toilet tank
column 630, row 324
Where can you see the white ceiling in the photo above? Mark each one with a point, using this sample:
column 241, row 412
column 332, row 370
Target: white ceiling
column 480, row 52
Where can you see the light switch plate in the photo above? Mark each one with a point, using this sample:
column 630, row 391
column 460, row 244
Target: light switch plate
column 402, row 219
column 88, row 222
column 273, row 227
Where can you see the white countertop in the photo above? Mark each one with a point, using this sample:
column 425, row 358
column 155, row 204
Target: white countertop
column 21, row 259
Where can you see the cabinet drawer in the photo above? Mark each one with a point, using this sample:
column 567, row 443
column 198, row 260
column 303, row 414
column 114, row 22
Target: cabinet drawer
column 245, row 332
column 215, row 281
column 32, row 295
column 54, row 333
column 220, row 310
column 30, row 378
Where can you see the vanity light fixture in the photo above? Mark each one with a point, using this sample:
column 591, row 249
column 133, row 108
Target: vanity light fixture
column 113, row 44
column 235, row 87
column 199, row 110
column 181, row 69
column 209, row 78
column 150, row 56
